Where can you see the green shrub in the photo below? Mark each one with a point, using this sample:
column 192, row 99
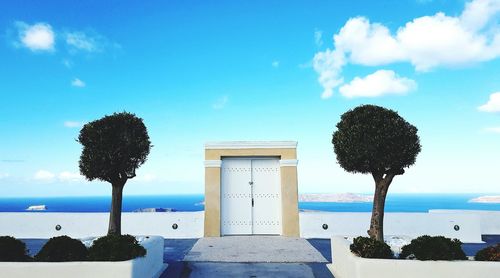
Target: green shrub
column 62, row 249
column 115, row 248
column 427, row 248
column 490, row 253
column 13, row 250
column 366, row 247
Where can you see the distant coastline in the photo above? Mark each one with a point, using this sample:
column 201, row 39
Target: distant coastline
column 491, row 199
column 336, row 198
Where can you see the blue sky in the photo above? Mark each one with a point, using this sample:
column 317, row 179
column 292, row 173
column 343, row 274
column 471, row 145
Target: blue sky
column 199, row 71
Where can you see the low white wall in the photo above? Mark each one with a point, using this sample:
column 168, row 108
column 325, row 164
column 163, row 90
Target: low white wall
column 190, row 224
column 347, row 265
column 490, row 220
column 150, row 265
column 79, row 225
column 403, row 224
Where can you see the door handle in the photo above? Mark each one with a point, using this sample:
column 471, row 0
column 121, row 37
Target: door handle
column 250, row 182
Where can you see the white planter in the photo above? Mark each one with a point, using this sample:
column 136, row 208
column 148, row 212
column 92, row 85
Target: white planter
column 347, row 265
column 150, row 265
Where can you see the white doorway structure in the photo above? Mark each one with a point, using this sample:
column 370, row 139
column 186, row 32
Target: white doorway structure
column 251, row 188
column 250, row 196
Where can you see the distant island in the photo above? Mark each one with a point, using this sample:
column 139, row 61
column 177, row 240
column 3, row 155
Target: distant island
column 336, row 198
column 486, row 199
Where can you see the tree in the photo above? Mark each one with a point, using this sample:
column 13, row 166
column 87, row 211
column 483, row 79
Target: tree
column 374, row 140
column 113, row 148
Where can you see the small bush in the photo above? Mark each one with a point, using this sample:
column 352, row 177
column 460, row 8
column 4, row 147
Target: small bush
column 491, row 253
column 434, row 248
column 13, row 250
column 62, row 249
column 116, row 248
column 366, row 247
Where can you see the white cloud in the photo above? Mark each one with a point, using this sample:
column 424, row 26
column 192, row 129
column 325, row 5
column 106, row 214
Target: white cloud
column 82, row 41
column 77, row 83
column 220, row 103
column 318, row 38
column 426, row 43
column 43, row 175
column 73, row 124
column 36, row 37
column 4, row 175
column 66, row 176
column 493, row 104
column 381, row 82
column 275, row 64
column 493, row 129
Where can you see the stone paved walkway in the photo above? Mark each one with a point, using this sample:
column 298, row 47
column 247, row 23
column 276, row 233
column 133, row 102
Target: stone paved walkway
column 254, row 249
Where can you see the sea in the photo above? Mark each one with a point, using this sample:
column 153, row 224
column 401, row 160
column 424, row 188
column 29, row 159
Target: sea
column 394, row 203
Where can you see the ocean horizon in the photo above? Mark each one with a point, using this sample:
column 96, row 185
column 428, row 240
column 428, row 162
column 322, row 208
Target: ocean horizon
column 397, row 202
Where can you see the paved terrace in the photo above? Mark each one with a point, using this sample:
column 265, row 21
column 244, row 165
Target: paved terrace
column 252, row 257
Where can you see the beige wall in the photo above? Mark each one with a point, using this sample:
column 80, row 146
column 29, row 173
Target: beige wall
column 289, row 187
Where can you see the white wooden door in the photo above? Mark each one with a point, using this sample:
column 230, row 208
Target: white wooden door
column 250, row 196
column 266, row 210
column 236, row 197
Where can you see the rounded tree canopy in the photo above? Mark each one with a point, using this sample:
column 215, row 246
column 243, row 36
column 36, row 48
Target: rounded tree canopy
column 113, row 147
column 373, row 139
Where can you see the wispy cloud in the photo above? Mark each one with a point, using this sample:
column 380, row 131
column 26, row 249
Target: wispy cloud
column 80, row 41
column 67, row 176
column 318, row 38
column 492, row 129
column 77, row 83
column 44, row 175
column 67, row 63
column 379, row 83
column 493, row 104
column 275, row 64
column 37, row 37
column 426, row 43
column 73, row 124
column 220, row 103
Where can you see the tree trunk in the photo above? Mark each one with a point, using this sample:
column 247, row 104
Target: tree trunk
column 376, row 230
column 115, row 214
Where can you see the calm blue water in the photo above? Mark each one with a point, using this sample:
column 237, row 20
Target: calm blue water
column 394, row 203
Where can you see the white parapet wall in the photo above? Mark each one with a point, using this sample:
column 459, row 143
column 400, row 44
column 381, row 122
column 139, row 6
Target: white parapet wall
column 401, row 224
column 471, row 224
column 80, row 225
column 150, row 265
column 347, row 265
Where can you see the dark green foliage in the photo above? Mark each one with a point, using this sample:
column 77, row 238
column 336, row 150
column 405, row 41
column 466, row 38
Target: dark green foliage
column 491, row 253
column 366, row 247
column 116, row 248
column 434, row 248
column 13, row 250
column 62, row 249
column 113, row 147
column 373, row 139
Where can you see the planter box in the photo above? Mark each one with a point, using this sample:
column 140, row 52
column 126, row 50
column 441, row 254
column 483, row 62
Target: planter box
column 150, row 265
column 347, row 265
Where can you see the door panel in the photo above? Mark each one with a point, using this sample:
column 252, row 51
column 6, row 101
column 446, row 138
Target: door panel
column 267, row 196
column 236, row 197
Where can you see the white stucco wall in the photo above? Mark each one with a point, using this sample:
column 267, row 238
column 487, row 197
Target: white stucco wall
column 150, row 265
column 403, row 224
column 347, row 265
column 190, row 224
column 79, row 225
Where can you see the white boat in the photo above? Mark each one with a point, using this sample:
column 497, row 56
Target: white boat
column 37, row 207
